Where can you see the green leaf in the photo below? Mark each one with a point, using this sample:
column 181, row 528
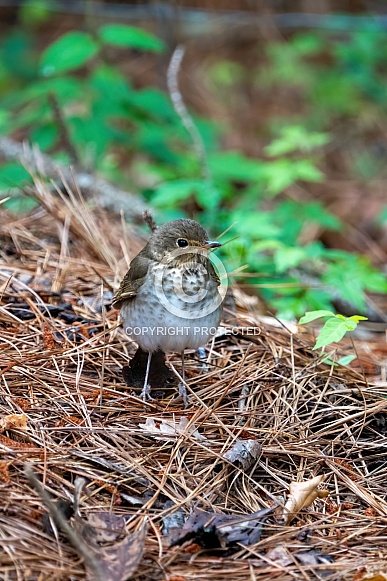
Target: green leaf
column 66, row 89
column 288, row 257
column 90, row 136
column 20, row 204
column 351, row 275
column 130, row 36
column 351, row 325
column 333, row 330
column 292, row 216
column 289, row 306
column 32, row 115
column 307, row 172
column 313, row 315
column 18, row 55
column 263, row 245
column 35, row 12
column 358, row 318
column 346, row 360
column 69, row 52
column 307, row 43
column 233, row 166
column 208, row 196
column 5, row 121
column 152, row 102
column 296, row 138
column 171, row 193
column 13, row 175
column 45, row 136
column 226, row 73
column 110, row 84
column 280, row 175
column 251, row 225
column 382, row 218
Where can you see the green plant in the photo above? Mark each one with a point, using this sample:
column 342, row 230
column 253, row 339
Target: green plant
column 75, row 93
column 334, row 329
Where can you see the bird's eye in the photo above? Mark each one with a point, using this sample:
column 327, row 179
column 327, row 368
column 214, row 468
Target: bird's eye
column 182, row 242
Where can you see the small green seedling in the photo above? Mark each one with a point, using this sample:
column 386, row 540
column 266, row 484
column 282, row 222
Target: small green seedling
column 335, row 327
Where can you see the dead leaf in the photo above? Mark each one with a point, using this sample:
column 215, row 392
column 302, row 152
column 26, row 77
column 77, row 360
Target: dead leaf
column 63, row 506
column 4, row 471
column 359, row 576
column 301, row 495
column 312, row 557
column 170, row 429
column 280, row 555
column 48, row 339
column 193, row 549
column 346, row 506
column 13, row 422
column 23, row 403
column 68, row 420
column 172, row 521
column 218, row 531
column 116, row 553
column 111, row 488
column 108, row 552
column 4, row 441
column 371, row 512
column 243, row 453
column 309, row 558
column 354, row 476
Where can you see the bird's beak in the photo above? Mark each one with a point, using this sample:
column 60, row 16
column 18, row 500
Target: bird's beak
column 211, row 244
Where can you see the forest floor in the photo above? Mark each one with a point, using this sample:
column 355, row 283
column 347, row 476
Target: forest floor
column 264, row 412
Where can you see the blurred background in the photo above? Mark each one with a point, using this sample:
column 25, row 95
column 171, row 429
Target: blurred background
column 290, row 102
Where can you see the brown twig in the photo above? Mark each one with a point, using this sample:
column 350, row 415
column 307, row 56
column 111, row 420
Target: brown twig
column 62, row 525
column 182, row 111
column 149, row 220
column 63, row 130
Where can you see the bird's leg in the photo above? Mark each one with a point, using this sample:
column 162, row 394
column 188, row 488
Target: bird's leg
column 201, row 354
column 145, row 394
column 182, row 388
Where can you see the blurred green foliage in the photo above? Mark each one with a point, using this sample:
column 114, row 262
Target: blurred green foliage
column 134, row 138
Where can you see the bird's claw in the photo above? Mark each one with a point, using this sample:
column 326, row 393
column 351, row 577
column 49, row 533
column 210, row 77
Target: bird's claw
column 146, row 393
column 183, row 395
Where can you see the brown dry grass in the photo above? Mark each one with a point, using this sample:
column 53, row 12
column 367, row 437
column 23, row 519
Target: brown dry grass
column 83, row 421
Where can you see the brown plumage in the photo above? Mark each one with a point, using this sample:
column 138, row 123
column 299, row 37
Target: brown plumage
column 169, row 297
column 163, row 241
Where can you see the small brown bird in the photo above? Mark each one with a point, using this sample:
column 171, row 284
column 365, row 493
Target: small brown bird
column 169, row 298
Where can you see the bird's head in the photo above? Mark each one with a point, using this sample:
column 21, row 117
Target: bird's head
column 179, row 242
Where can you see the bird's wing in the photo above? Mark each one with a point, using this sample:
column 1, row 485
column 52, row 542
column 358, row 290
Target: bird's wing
column 132, row 280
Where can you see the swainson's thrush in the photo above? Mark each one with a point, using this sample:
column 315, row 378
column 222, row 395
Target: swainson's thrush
column 169, row 298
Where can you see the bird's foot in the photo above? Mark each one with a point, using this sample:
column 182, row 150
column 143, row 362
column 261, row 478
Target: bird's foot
column 182, row 395
column 146, row 393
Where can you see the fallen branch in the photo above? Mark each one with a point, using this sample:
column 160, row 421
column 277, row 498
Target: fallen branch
column 60, row 522
column 101, row 191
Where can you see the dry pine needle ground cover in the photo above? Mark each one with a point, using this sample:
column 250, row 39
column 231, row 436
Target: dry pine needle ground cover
column 62, row 355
